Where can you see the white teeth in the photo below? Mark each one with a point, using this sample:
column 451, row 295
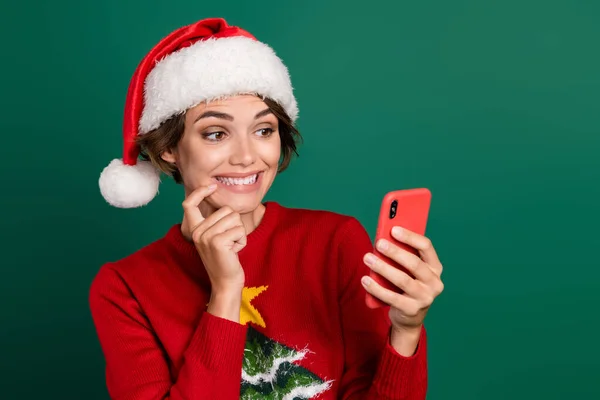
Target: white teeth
column 249, row 180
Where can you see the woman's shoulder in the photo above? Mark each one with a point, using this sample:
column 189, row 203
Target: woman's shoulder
column 318, row 220
column 332, row 229
column 134, row 265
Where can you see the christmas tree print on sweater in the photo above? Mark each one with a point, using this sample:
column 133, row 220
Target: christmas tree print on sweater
column 269, row 370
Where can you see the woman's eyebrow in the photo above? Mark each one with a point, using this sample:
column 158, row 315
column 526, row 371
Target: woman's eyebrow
column 262, row 113
column 225, row 116
column 214, row 114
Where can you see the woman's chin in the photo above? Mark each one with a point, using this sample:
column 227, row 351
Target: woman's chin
column 240, row 203
column 242, row 199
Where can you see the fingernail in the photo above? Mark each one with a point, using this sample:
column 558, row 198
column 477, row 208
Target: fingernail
column 369, row 259
column 366, row 281
column 397, row 230
column 382, row 245
column 212, row 186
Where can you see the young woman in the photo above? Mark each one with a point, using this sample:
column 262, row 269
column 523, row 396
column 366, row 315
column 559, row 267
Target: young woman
column 244, row 298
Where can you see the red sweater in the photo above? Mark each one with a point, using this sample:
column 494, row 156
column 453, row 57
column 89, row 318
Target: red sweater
column 304, row 329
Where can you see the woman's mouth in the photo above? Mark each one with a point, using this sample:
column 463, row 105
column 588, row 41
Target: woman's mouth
column 238, row 181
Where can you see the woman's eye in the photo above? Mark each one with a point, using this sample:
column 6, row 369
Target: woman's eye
column 214, row 136
column 265, row 132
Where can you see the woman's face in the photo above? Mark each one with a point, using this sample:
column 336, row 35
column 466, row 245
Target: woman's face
column 234, row 143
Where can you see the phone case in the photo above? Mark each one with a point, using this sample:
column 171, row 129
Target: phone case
column 411, row 212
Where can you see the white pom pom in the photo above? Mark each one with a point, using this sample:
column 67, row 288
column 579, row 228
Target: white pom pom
column 129, row 186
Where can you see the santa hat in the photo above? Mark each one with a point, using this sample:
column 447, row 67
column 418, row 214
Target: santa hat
column 200, row 62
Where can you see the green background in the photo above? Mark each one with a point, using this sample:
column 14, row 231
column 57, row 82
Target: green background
column 493, row 105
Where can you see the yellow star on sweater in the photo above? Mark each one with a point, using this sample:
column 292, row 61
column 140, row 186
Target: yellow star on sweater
column 247, row 311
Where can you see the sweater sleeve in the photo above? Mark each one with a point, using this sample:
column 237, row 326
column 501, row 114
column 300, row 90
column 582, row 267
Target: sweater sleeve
column 373, row 368
column 136, row 367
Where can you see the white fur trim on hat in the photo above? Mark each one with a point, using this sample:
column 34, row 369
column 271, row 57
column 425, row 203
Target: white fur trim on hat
column 212, row 69
column 129, row 186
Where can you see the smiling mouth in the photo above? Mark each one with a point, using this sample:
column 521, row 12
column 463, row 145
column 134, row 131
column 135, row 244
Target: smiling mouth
column 247, row 180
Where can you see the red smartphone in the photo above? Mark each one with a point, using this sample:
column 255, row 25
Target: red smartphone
column 408, row 208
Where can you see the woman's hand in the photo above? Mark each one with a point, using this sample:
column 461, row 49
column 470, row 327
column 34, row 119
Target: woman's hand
column 407, row 309
column 218, row 238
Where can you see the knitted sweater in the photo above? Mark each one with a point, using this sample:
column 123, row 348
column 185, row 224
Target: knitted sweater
column 304, row 329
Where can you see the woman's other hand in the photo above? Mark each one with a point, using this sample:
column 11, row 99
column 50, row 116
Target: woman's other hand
column 409, row 308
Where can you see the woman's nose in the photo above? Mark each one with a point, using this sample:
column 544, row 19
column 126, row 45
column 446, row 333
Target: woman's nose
column 243, row 153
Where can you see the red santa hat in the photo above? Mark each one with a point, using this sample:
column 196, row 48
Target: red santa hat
column 200, row 62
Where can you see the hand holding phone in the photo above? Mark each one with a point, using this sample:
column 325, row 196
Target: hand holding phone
column 409, row 209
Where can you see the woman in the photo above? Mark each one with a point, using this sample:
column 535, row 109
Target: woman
column 245, row 299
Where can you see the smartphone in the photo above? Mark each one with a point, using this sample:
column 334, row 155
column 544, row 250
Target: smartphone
column 409, row 209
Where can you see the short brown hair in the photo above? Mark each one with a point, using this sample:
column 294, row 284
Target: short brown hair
column 170, row 132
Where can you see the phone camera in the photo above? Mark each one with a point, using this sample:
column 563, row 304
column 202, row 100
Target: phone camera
column 393, row 209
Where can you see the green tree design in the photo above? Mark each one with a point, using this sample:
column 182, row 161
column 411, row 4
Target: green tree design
column 269, row 372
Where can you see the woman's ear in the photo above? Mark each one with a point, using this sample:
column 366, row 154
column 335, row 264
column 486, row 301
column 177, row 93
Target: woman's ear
column 169, row 156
